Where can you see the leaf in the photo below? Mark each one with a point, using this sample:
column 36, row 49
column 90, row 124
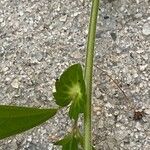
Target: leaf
column 65, row 140
column 72, row 142
column 14, row 119
column 70, row 89
column 71, row 145
column 69, row 142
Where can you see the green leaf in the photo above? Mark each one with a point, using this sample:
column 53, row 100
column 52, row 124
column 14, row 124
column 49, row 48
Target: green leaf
column 70, row 89
column 14, row 119
column 72, row 142
column 68, row 143
column 71, row 145
column 65, row 140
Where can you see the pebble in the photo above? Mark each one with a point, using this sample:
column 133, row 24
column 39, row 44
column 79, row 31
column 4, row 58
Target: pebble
column 120, row 135
column 138, row 15
column 97, row 93
column 1, row 20
column 98, row 113
column 143, row 67
column 15, row 84
column 76, row 54
column 63, row 18
column 3, row 24
column 39, row 56
column 100, row 124
column 147, row 111
column 145, row 56
column 139, row 126
column 140, row 51
column 137, row 1
column 82, row 1
column 146, row 28
column 51, row 146
column 114, row 36
column 5, row 69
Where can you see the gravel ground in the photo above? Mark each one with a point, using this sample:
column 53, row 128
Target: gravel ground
column 40, row 38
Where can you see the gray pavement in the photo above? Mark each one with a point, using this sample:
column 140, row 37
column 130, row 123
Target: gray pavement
column 40, row 38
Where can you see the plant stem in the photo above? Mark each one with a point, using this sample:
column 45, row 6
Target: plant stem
column 88, row 74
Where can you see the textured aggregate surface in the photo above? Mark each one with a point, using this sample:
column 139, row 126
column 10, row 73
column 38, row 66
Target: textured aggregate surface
column 40, row 38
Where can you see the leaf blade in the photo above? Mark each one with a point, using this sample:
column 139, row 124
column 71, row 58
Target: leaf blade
column 69, row 142
column 15, row 119
column 70, row 88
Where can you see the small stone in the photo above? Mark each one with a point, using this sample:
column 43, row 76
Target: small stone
column 135, row 75
column 29, row 139
column 109, row 105
column 143, row 67
column 39, row 56
column 98, row 113
column 5, row 69
column 146, row 126
column 138, row 126
column 146, row 29
column 3, row 24
column 76, row 14
column 140, row 51
column 148, row 18
column 51, row 146
column 97, row 108
column 15, row 83
column 114, row 36
column 122, row 8
column 63, row 18
column 120, row 135
column 100, row 124
column 137, row 1
column 138, row 15
column 82, row 1
column 97, row 93
column 116, row 112
column 145, row 56
column 21, row 13
column 7, row 79
column 1, row 20
column 147, row 111
column 76, row 54
column 111, row 120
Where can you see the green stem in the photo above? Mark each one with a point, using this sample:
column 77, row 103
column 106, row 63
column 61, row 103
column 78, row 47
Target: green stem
column 88, row 74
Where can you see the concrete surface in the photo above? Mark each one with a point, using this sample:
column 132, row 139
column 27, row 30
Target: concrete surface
column 40, row 38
